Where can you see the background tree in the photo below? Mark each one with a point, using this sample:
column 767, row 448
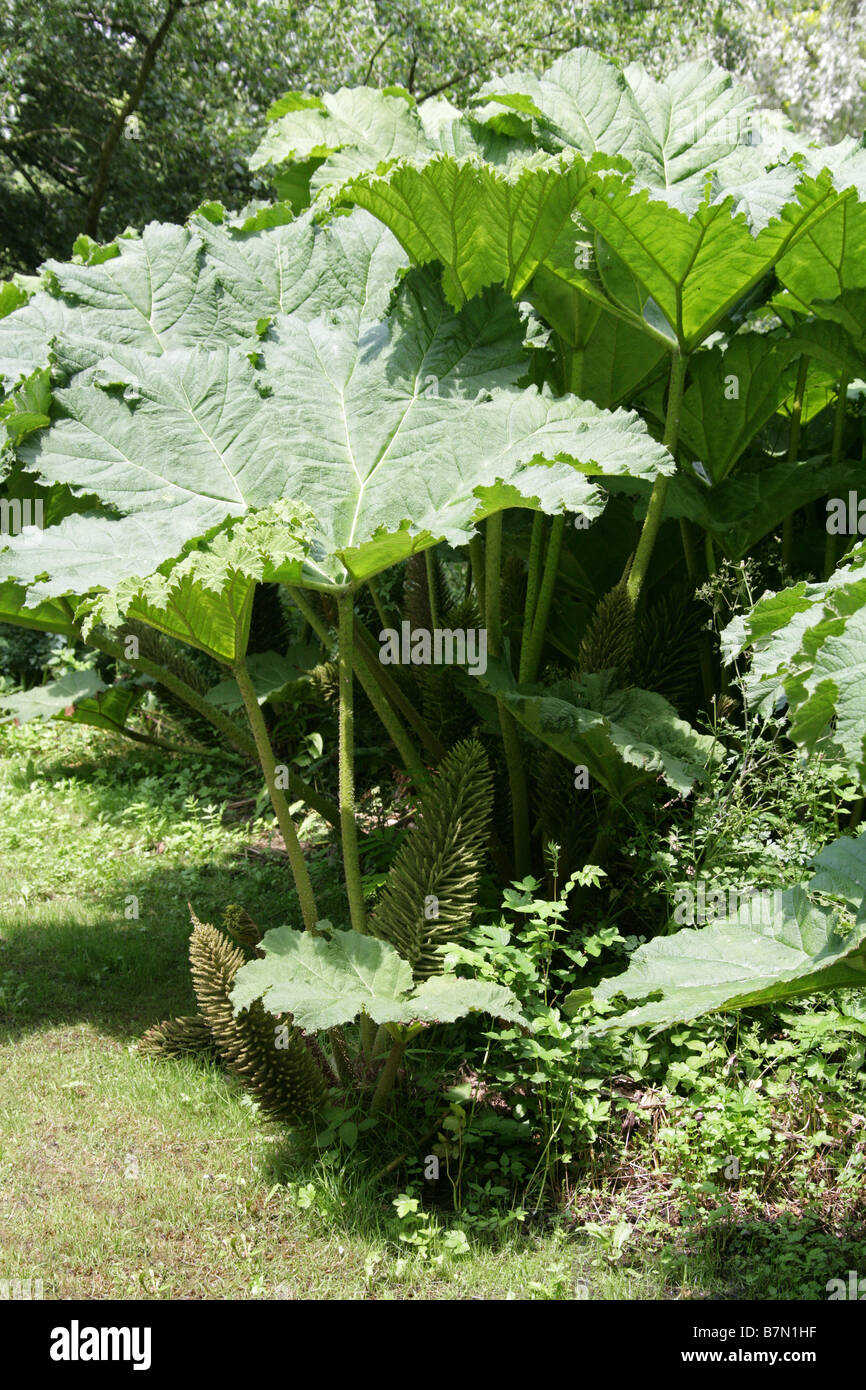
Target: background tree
column 119, row 112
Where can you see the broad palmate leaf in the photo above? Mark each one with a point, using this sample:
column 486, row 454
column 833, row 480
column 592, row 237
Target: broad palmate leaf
column 809, row 641
column 689, row 216
column 79, row 697
column 325, row 981
column 331, row 138
column 394, row 432
column 745, row 507
column 624, row 738
column 672, row 131
column 759, row 955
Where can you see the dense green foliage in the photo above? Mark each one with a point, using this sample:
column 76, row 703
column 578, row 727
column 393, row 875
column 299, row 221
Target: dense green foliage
column 590, row 350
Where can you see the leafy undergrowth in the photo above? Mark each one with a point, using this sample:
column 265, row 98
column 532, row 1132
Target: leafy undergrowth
column 122, row 1177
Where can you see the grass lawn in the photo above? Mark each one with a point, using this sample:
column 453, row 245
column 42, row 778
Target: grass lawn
column 124, row 1177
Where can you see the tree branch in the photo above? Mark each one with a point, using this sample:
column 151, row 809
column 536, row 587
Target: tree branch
column 110, row 143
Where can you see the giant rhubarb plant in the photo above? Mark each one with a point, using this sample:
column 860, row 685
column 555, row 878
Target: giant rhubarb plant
column 310, row 397
column 263, row 399
column 659, row 232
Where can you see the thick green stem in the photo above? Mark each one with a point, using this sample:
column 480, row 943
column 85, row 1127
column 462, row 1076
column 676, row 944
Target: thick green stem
column 212, row 713
column 510, row 740
column 835, row 457
column 493, row 583
column 348, row 827
column 367, row 665
column 476, row 560
column 533, row 580
column 381, row 1041
column 432, row 586
column 394, row 694
column 399, row 737
column 300, row 872
column 317, row 623
column 154, row 741
column 794, row 453
column 387, row 1077
column 299, row 789
column 385, row 618
column 529, row 666
column 656, row 509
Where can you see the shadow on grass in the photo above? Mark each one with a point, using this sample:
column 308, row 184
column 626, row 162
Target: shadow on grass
column 65, row 961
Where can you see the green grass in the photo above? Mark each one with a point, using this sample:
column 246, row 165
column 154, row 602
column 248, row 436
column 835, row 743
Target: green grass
column 124, row 1177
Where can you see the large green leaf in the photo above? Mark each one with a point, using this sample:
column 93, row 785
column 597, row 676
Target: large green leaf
column 841, row 869
column 733, row 390
column 45, row 701
column 324, row 981
column 348, row 132
column 624, row 738
column 739, row 962
column 295, row 268
column 831, row 257
column 146, row 297
column 49, row 616
column 601, row 355
column 486, row 225
column 671, row 131
column 206, row 597
column 745, row 507
column 809, row 641
column 211, row 282
column 693, row 218
column 79, row 697
column 192, row 291
column 677, row 270
column 687, row 270
column 88, row 549
column 395, row 434
column 758, row 955
column 109, row 709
